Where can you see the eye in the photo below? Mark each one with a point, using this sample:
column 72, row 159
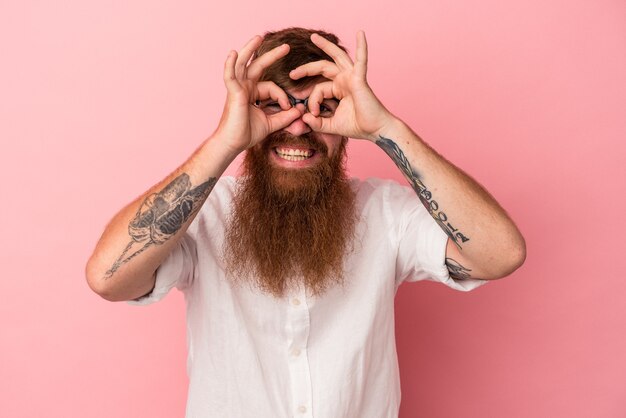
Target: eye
column 328, row 108
column 270, row 107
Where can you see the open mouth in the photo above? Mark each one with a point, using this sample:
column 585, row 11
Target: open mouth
column 294, row 154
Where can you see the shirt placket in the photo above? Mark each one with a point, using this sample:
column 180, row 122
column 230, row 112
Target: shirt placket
column 300, row 374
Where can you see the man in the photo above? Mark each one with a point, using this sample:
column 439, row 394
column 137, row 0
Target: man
column 290, row 272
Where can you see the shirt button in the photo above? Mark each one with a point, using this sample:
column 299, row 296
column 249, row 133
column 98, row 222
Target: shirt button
column 295, row 301
column 302, row 409
column 295, row 352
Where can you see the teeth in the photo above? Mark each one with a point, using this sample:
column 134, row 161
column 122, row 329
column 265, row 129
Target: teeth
column 291, row 154
column 292, row 157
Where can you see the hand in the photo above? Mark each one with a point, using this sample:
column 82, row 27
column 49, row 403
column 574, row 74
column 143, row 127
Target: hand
column 360, row 114
column 244, row 125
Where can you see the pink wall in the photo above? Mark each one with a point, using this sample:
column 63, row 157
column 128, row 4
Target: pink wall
column 101, row 99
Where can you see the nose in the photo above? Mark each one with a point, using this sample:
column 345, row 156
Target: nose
column 298, row 127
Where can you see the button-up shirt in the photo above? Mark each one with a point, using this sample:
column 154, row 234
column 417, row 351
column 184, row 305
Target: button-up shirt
column 251, row 354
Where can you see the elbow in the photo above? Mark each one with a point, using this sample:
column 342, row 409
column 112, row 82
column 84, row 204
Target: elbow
column 518, row 256
column 513, row 258
column 97, row 282
column 121, row 286
column 104, row 292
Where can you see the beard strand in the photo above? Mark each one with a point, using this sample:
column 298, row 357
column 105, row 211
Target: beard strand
column 290, row 226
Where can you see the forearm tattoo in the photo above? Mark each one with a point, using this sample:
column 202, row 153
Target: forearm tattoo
column 457, row 271
column 161, row 215
column 425, row 196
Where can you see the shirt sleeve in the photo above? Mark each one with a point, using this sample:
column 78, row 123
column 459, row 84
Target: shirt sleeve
column 422, row 245
column 177, row 270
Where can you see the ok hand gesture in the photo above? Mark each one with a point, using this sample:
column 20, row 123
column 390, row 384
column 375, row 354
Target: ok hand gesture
column 244, row 125
column 360, row 114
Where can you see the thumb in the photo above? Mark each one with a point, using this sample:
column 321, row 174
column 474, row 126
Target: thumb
column 318, row 124
column 283, row 119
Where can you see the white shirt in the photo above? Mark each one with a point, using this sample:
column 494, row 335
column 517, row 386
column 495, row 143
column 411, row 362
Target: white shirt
column 254, row 355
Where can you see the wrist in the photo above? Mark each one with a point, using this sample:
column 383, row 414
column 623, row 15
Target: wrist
column 218, row 152
column 388, row 128
column 221, row 144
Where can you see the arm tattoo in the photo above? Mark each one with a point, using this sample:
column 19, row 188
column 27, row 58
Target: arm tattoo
column 457, row 271
column 161, row 215
column 425, row 196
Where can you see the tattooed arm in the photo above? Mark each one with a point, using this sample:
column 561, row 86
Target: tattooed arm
column 141, row 235
column 483, row 242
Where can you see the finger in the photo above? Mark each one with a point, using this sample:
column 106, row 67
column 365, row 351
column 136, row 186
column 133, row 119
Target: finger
column 361, row 53
column 244, row 56
column 260, row 64
column 320, row 92
column 324, row 68
column 337, row 54
column 283, row 119
column 269, row 89
column 318, row 124
column 232, row 85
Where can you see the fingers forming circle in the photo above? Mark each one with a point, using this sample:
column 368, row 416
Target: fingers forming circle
column 320, row 92
column 270, row 90
column 282, row 119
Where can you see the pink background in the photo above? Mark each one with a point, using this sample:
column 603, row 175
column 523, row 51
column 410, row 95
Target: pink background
column 99, row 100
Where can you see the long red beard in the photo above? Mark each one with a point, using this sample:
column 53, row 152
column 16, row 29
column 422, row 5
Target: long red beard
column 290, row 226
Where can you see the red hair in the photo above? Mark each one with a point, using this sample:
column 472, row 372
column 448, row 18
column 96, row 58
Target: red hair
column 301, row 51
